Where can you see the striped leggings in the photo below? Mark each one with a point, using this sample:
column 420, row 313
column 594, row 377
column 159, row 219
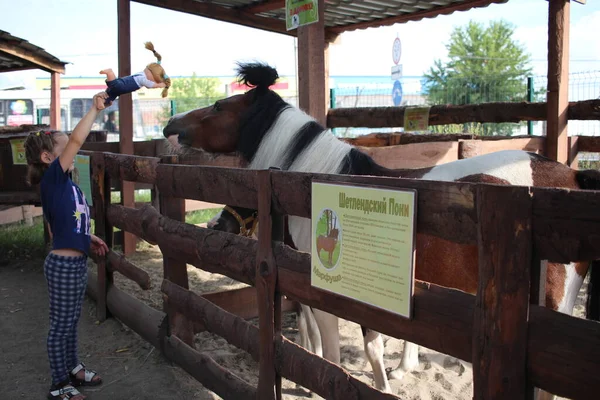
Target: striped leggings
column 67, row 281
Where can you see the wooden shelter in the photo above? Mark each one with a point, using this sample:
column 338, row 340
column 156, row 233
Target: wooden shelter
column 18, row 54
column 336, row 17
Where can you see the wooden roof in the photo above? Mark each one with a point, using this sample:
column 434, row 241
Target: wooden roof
column 18, row 54
column 340, row 15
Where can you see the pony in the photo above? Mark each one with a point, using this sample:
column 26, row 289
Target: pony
column 268, row 132
column 328, row 243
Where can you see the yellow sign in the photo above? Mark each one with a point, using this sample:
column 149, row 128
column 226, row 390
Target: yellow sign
column 363, row 244
column 416, row 119
column 18, row 151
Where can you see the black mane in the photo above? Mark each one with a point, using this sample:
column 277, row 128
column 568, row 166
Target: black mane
column 258, row 75
column 266, row 106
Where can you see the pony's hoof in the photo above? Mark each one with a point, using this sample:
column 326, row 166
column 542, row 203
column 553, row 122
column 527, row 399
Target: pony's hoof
column 397, row 374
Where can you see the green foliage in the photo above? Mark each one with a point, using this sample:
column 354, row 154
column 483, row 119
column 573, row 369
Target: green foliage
column 19, row 241
column 190, row 93
column 485, row 64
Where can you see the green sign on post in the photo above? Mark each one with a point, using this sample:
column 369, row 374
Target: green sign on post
column 363, row 244
column 81, row 176
column 300, row 13
column 17, row 147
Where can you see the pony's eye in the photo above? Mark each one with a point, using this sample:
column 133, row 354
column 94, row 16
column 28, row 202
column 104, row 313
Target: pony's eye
column 217, row 106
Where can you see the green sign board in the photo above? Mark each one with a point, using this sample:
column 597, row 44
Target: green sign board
column 300, row 13
column 17, row 147
column 363, row 244
column 81, row 176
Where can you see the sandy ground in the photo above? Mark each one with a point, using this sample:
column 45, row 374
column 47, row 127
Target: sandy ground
column 133, row 370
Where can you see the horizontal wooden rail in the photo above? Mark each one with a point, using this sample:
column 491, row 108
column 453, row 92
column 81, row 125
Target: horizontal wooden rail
column 131, row 168
column 566, row 224
column 292, row 362
column 574, row 343
column 118, row 263
column 588, row 143
column 445, row 209
column 149, row 324
column 381, row 117
column 233, row 186
column 210, row 250
column 380, row 139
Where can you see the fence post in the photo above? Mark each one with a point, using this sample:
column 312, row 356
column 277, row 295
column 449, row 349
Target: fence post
column 530, row 99
column 268, row 297
column 101, row 187
column 502, row 303
column 173, row 107
column 175, row 270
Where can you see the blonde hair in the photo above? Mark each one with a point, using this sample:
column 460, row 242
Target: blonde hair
column 35, row 144
column 157, row 71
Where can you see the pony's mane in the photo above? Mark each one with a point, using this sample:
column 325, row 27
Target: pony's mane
column 256, row 74
column 275, row 134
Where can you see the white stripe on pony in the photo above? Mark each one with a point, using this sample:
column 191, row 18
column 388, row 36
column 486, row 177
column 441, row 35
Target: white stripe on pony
column 325, row 154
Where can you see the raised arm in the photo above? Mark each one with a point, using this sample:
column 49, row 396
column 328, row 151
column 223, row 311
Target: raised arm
column 81, row 131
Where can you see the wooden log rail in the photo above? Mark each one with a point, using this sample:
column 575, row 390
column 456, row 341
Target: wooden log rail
column 442, row 320
column 291, row 361
column 381, row 117
column 117, row 262
column 149, row 324
column 565, row 223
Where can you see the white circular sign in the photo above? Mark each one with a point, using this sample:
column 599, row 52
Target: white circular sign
column 396, row 51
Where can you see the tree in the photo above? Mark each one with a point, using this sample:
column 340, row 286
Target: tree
column 485, row 64
column 191, row 93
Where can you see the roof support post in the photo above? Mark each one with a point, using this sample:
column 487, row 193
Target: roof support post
column 312, row 71
column 55, row 101
column 125, row 110
column 557, row 141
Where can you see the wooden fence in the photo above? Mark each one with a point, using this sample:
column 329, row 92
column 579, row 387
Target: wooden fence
column 513, row 345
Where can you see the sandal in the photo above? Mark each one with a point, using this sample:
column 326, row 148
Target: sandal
column 63, row 393
column 88, row 379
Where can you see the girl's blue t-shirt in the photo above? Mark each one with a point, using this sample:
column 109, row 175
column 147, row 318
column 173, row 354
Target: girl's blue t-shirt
column 66, row 210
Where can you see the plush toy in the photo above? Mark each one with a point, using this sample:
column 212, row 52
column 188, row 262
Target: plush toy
column 153, row 76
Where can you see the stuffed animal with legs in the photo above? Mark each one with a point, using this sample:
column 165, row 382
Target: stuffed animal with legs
column 153, row 76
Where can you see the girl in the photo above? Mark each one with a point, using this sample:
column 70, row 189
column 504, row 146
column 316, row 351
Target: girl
column 50, row 158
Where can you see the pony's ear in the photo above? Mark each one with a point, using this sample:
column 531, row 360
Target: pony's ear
column 257, row 74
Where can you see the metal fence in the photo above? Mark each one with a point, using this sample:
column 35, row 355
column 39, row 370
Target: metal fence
column 150, row 116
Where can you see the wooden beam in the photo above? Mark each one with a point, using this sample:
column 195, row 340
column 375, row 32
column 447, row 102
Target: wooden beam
column 557, row 145
column 55, row 101
column 311, row 68
column 213, row 11
column 502, row 301
column 265, row 6
column 415, row 16
column 378, row 117
column 14, row 51
column 125, row 111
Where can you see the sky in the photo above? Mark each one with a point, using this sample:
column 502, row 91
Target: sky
column 84, row 33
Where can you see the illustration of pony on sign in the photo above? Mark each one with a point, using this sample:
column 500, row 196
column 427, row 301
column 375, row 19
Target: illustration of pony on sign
column 327, row 233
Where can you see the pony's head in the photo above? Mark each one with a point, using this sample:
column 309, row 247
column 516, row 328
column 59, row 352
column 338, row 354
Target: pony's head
column 220, row 128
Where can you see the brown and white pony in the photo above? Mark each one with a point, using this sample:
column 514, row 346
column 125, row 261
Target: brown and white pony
column 268, row 132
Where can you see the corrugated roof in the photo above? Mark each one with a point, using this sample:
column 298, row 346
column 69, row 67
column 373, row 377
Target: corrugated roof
column 18, row 54
column 340, row 15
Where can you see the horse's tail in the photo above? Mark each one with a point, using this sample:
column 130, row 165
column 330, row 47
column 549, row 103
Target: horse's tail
column 593, row 292
column 588, row 179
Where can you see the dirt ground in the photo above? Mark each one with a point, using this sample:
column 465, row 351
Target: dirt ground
column 130, row 367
